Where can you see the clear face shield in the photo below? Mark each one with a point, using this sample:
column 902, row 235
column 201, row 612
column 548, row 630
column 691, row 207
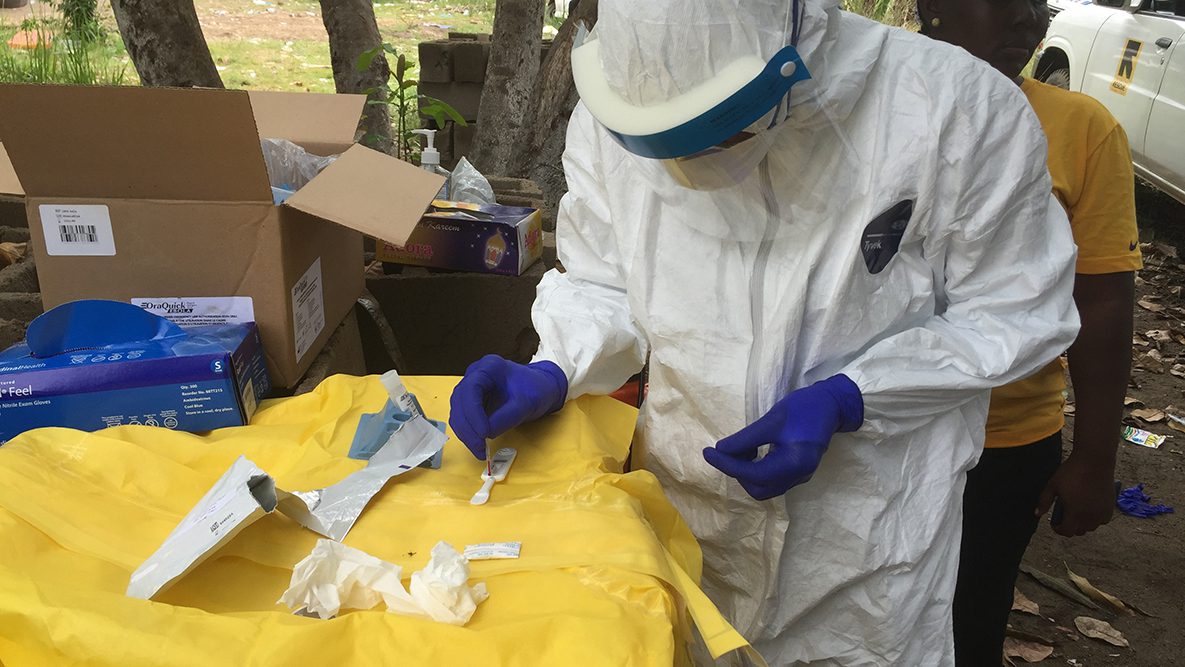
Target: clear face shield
column 711, row 136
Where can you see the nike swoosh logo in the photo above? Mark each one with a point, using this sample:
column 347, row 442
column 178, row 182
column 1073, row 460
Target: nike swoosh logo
column 1132, row 247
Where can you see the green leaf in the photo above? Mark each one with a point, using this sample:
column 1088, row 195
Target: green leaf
column 446, row 108
column 390, row 49
column 365, row 59
column 400, row 67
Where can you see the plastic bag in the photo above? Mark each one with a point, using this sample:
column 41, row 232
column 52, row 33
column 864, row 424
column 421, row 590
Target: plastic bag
column 290, row 167
column 466, row 184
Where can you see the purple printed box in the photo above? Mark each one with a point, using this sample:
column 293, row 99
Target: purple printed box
column 485, row 238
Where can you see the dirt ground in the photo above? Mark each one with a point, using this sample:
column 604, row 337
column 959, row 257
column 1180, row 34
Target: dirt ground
column 1140, row 561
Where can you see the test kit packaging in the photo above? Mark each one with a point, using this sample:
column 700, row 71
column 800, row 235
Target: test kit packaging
column 91, row 365
column 486, row 238
column 157, row 193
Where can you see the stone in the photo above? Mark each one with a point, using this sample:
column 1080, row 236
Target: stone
column 21, row 307
column 20, row 277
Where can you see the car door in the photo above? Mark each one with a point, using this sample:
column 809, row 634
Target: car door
column 1125, row 69
column 1164, row 149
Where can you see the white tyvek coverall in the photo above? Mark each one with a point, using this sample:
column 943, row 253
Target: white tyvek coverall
column 742, row 295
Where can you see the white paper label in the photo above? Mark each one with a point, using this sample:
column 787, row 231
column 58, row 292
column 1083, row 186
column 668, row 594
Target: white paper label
column 308, row 309
column 249, row 402
column 200, row 311
column 82, row 230
column 493, row 550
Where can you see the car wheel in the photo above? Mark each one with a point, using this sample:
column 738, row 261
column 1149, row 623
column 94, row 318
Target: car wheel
column 1059, row 77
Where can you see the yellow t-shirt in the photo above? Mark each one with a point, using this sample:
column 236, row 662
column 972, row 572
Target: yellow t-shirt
column 1090, row 163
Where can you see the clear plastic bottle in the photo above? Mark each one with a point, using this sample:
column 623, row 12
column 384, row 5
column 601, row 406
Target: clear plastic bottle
column 430, row 160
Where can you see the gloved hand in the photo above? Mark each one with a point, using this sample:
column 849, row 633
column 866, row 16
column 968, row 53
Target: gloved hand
column 496, row 395
column 798, row 429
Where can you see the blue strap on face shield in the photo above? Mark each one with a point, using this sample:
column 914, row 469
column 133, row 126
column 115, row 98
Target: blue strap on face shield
column 728, row 118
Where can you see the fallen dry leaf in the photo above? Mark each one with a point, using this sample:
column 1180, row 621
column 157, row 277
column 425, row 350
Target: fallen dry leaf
column 1059, row 585
column 1069, row 409
column 1156, row 355
column 1021, row 603
column 1025, row 650
column 1148, row 305
column 1150, row 415
column 1129, row 400
column 1101, row 630
column 1175, row 291
column 1158, row 335
column 1178, row 370
column 11, row 253
column 1102, row 597
column 1176, row 423
column 1166, row 250
column 1070, row 632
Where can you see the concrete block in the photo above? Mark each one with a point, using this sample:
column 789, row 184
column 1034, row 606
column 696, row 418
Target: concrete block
column 468, row 36
column 20, row 306
column 445, row 321
column 20, row 277
column 463, row 140
column 464, row 97
column 436, row 61
column 469, row 61
column 14, row 234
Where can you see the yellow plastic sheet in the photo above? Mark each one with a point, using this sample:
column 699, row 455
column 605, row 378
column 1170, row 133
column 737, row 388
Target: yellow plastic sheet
column 607, row 575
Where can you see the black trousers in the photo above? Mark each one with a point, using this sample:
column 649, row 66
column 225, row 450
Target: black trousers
column 998, row 522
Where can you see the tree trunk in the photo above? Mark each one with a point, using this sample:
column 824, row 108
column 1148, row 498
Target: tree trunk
column 554, row 97
column 353, row 31
column 165, row 42
column 510, row 79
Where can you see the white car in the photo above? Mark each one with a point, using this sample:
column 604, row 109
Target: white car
column 1128, row 54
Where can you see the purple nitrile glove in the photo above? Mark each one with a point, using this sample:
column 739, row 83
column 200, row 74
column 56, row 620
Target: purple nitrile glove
column 1134, row 502
column 496, row 395
column 798, row 429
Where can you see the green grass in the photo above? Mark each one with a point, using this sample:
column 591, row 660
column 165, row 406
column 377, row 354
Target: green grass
column 302, row 64
column 260, row 54
column 63, row 60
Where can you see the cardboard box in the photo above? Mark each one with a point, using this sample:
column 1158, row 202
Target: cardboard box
column 154, row 192
column 486, row 238
column 10, row 185
column 89, row 366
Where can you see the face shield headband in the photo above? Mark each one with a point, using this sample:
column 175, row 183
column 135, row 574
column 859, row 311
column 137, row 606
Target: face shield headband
column 709, row 115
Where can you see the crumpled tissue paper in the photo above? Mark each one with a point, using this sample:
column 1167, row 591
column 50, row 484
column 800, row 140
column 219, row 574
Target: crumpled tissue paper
column 335, row 577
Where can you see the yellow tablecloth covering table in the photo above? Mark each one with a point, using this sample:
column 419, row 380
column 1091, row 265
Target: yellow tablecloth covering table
column 606, row 575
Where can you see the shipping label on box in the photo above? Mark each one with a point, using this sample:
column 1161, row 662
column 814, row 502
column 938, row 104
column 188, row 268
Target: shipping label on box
column 485, row 238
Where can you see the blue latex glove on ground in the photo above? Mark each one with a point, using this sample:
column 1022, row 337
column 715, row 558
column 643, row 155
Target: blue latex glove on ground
column 496, row 395
column 798, row 430
column 1134, row 502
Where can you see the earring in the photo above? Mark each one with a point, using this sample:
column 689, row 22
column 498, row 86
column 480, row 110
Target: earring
column 935, row 22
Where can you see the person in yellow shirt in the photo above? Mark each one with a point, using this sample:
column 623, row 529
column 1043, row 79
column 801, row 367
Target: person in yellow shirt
column 1021, row 474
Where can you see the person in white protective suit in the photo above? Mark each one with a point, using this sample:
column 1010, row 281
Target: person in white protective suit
column 825, row 298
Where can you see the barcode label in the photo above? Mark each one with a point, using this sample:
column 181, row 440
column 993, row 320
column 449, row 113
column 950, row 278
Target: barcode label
column 77, row 229
column 308, row 309
column 78, row 233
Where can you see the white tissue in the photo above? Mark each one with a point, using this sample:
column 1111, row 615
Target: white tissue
column 335, row 577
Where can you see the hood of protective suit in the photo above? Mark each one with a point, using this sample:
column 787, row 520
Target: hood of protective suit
column 654, row 50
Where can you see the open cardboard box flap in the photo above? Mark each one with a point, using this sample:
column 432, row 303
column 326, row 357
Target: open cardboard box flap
column 133, row 143
column 321, row 124
column 9, row 183
column 370, row 192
